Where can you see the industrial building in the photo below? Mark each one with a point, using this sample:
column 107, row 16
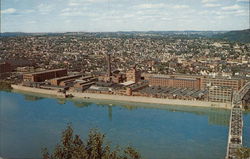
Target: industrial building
column 220, row 94
column 172, row 93
column 109, row 67
column 133, row 83
column 220, row 88
column 5, row 67
column 133, row 75
column 136, row 87
column 44, row 75
column 175, row 81
column 116, row 77
column 84, row 83
column 234, row 83
column 119, row 77
column 62, row 81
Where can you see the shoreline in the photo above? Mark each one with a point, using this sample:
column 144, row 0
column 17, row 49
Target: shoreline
column 134, row 99
column 81, row 102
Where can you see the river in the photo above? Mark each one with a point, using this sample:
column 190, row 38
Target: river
column 31, row 122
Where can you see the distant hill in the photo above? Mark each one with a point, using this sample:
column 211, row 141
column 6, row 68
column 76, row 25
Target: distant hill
column 236, row 36
column 188, row 33
column 14, row 34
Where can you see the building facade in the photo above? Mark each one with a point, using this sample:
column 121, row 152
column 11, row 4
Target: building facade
column 195, row 82
column 133, row 75
column 61, row 80
column 5, row 67
column 44, row 75
column 174, row 81
column 234, row 83
column 220, row 94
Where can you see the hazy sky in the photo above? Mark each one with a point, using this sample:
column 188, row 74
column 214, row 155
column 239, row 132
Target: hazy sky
column 123, row 15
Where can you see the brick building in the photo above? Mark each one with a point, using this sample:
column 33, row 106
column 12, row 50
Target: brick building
column 220, row 94
column 234, row 83
column 84, row 83
column 133, row 75
column 195, row 82
column 61, row 81
column 5, row 67
column 44, row 75
column 175, row 81
column 116, row 77
column 136, row 87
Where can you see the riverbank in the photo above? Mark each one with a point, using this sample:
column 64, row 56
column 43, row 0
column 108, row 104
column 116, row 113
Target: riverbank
column 137, row 99
column 38, row 90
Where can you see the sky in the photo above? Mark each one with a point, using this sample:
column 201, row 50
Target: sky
column 123, row 15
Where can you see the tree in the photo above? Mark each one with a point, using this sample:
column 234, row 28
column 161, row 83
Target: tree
column 243, row 153
column 5, row 85
column 73, row 147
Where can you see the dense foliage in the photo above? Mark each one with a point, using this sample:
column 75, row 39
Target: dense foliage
column 237, row 36
column 73, row 147
column 243, row 153
column 5, row 85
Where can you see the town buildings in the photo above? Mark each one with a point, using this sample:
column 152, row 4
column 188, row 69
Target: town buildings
column 87, row 53
column 131, row 83
column 185, row 68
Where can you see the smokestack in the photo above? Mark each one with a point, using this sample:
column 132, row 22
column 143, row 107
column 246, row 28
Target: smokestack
column 109, row 66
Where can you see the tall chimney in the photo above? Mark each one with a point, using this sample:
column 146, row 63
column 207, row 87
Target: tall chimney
column 109, row 66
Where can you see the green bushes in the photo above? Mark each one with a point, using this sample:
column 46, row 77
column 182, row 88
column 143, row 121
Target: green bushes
column 243, row 153
column 73, row 147
column 5, row 85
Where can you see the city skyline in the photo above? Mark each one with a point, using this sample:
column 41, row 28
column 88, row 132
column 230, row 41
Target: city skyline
column 111, row 15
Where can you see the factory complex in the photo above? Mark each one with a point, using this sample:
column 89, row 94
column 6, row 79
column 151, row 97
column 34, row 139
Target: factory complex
column 134, row 82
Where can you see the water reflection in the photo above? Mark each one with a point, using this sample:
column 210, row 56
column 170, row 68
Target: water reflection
column 61, row 101
column 10, row 104
column 81, row 104
column 32, row 97
column 215, row 117
column 110, row 112
column 221, row 117
column 157, row 131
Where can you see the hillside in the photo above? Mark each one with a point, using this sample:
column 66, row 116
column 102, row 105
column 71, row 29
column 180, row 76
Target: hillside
column 237, row 36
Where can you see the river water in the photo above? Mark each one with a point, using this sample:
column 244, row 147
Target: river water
column 31, row 122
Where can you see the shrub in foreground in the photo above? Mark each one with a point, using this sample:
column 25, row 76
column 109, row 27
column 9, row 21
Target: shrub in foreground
column 243, row 153
column 73, row 147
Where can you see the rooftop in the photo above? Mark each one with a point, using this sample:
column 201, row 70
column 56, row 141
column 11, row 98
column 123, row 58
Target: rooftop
column 46, row 71
column 70, row 76
column 128, row 83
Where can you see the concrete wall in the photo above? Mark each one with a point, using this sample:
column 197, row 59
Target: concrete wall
column 38, row 90
column 153, row 100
